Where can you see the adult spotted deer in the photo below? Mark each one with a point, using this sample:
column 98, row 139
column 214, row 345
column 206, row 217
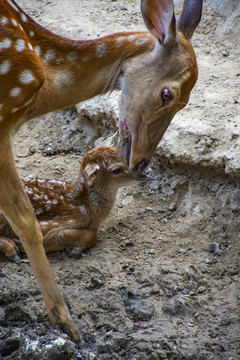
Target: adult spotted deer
column 70, row 212
column 42, row 72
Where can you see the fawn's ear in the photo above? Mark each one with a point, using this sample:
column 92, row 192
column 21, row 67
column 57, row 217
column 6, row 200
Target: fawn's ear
column 159, row 18
column 91, row 171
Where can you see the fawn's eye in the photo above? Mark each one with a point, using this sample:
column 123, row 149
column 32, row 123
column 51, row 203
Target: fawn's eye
column 116, row 171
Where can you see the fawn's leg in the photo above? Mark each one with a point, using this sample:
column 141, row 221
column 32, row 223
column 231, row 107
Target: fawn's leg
column 59, row 239
column 18, row 211
column 9, row 248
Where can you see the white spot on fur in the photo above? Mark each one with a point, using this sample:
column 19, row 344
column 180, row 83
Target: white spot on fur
column 120, row 39
column 55, row 202
column 5, row 44
column 39, row 211
column 31, row 33
column 43, row 223
column 59, row 61
column 4, row 20
column 142, row 41
column 36, row 197
column 4, row 67
column 26, row 77
column 13, row 21
column 63, row 79
column 20, row 45
column 101, row 50
column 15, row 109
column 72, row 56
column 83, row 209
column 132, row 37
column 62, row 198
column 13, row 5
column 30, row 46
column 50, row 55
column 28, row 102
column 15, row 92
column 37, row 50
column 24, row 18
column 55, row 182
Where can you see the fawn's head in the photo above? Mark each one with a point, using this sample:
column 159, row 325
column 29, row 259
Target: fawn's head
column 157, row 84
column 102, row 167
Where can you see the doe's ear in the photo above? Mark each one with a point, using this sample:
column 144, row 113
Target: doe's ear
column 159, row 18
column 191, row 16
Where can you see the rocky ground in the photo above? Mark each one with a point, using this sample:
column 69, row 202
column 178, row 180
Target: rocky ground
column 162, row 281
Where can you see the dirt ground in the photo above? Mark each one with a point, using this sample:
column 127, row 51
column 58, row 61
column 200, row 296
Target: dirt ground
column 162, row 281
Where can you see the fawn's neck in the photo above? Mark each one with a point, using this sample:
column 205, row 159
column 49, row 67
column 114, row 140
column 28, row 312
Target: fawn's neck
column 99, row 198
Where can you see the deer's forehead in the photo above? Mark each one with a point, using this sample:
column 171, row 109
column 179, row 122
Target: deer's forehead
column 161, row 65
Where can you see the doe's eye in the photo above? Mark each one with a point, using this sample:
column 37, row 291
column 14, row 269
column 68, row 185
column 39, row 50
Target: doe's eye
column 167, row 95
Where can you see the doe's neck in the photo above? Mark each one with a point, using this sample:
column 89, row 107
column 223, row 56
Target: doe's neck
column 76, row 70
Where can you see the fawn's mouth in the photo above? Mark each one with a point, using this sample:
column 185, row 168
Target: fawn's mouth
column 143, row 170
column 144, row 175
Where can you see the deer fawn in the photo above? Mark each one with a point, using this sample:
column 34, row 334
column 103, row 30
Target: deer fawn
column 42, row 72
column 70, row 212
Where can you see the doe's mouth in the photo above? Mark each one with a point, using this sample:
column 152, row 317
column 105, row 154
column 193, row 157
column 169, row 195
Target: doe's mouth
column 125, row 150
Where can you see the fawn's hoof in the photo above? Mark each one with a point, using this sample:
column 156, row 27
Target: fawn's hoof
column 15, row 257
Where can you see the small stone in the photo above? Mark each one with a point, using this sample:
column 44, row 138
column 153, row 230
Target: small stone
column 173, row 308
column 225, row 53
column 165, row 270
column 138, row 308
column 225, row 322
column 74, row 252
column 104, row 348
column 201, row 289
column 172, row 207
column 215, row 248
column 148, row 208
column 95, row 283
column 9, row 346
column 15, row 313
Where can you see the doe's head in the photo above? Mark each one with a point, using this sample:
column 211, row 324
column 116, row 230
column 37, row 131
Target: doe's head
column 157, row 83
